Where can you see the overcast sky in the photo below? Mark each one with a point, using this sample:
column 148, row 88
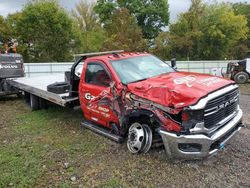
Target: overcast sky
column 176, row 6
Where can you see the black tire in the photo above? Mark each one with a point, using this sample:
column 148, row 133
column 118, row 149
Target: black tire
column 58, row 87
column 42, row 103
column 34, row 102
column 241, row 77
column 27, row 97
column 20, row 94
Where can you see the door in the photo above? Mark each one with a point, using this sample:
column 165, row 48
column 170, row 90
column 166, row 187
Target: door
column 97, row 78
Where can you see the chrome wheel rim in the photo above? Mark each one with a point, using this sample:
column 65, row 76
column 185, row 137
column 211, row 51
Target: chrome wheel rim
column 139, row 138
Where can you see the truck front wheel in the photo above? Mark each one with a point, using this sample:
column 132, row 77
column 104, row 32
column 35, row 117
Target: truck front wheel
column 139, row 138
column 241, row 77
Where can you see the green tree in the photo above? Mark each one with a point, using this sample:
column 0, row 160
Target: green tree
column 123, row 33
column 90, row 33
column 243, row 9
column 151, row 15
column 47, row 31
column 185, row 34
column 85, row 16
column 3, row 30
column 183, row 39
column 207, row 31
column 8, row 30
column 223, row 30
column 162, row 46
column 3, row 36
column 11, row 22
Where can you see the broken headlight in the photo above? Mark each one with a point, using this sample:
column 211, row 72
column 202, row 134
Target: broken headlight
column 191, row 117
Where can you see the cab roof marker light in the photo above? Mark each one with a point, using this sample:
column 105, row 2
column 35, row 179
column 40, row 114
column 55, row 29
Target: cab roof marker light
column 116, row 55
column 98, row 53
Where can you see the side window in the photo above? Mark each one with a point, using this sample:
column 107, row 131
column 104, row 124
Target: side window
column 97, row 75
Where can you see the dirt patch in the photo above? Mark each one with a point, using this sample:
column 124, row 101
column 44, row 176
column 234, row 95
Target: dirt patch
column 35, row 146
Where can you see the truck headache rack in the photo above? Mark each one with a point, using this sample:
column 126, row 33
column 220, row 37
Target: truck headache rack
column 98, row 53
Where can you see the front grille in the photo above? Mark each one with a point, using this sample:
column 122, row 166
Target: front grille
column 220, row 107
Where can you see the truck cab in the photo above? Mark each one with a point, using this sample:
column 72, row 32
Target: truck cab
column 140, row 97
column 11, row 66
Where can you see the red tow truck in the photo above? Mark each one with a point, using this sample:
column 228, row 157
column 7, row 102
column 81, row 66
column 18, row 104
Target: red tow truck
column 141, row 99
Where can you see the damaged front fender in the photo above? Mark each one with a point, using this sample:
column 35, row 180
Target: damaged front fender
column 123, row 103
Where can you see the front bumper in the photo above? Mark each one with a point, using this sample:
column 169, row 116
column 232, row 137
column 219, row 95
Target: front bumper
column 206, row 145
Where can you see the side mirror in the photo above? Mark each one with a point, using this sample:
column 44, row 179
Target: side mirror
column 173, row 63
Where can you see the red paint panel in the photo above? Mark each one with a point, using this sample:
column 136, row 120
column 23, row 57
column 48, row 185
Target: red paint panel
column 178, row 89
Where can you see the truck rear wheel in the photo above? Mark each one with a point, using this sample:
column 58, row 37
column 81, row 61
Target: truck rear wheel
column 42, row 103
column 27, row 97
column 34, row 102
column 139, row 138
column 241, row 77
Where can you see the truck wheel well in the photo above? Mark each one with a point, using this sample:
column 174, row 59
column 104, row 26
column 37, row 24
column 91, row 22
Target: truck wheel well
column 142, row 117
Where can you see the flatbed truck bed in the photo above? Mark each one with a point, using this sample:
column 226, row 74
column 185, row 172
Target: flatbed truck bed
column 38, row 86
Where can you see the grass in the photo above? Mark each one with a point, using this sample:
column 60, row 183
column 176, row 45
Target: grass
column 112, row 183
column 34, row 147
column 38, row 142
column 245, row 88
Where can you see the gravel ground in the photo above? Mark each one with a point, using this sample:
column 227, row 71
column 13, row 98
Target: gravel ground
column 110, row 164
column 245, row 88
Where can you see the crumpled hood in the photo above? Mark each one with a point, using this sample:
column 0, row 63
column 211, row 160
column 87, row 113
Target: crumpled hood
column 177, row 89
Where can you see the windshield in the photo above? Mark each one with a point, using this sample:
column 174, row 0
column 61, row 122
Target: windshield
column 140, row 68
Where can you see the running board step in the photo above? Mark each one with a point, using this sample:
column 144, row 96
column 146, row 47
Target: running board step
column 102, row 131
